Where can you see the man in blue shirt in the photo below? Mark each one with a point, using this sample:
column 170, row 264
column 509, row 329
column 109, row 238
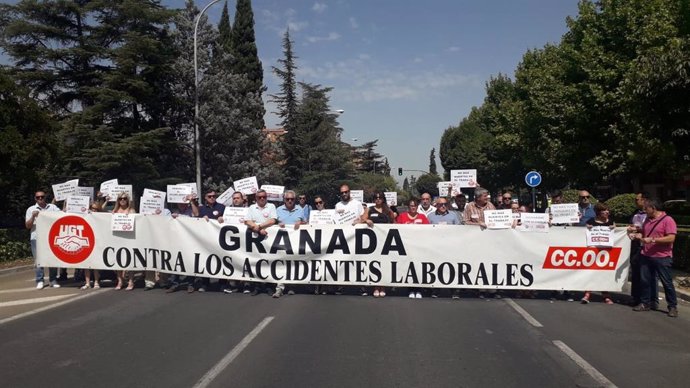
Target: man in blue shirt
column 288, row 213
column 586, row 208
column 442, row 216
column 304, row 205
column 211, row 209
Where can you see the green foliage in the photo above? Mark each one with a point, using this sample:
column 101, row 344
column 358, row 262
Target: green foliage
column 427, row 183
column 14, row 244
column 432, row 162
column 622, row 206
column 373, row 182
column 573, row 196
column 681, row 252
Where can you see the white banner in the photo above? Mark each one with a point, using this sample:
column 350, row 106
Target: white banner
column 464, row 178
column 63, row 190
column 446, row 256
column 77, row 204
column 247, row 186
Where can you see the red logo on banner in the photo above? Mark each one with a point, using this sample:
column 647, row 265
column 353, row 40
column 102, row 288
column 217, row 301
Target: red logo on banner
column 582, row 258
column 71, row 239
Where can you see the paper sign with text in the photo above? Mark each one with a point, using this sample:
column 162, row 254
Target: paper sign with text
column 391, row 198
column 78, row 204
column 235, row 215
column 151, row 205
column 247, row 186
column 322, row 217
column 357, row 194
column 63, row 190
column 86, row 191
column 464, row 178
column 446, row 188
column 154, row 194
column 122, row 222
column 273, row 192
column 345, row 218
column 600, row 236
column 115, row 191
column 564, row 213
column 498, row 219
column 534, row 222
column 107, row 186
column 226, row 197
column 177, row 193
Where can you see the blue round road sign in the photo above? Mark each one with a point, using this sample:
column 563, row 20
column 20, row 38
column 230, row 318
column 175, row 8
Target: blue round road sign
column 533, row 179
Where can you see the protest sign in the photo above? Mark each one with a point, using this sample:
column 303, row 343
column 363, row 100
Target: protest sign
column 322, row 217
column 122, row 222
column 77, row 204
column 63, row 190
column 564, row 213
column 273, row 192
column 235, row 215
column 151, row 205
column 391, row 198
column 498, row 219
column 107, row 186
column 154, row 194
column 85, row 191
column 534, row 222
column 192, row 186
column 464, row 178
column 115, row 191
column 247, row 186
column 357, row 194
column 178, row 193
column 445, row 188
column 345, row 217
column 226, row 197
column 600, row 236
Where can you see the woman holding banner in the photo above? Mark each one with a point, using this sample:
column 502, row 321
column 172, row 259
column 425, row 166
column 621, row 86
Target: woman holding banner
column 124, row 205
column 413, row 217
column 602, row 218
column 94, row 207
column 380, row 213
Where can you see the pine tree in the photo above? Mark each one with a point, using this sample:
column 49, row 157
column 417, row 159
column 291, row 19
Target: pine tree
column 286, row 99
column 224, row 30
column 246, row 58
column 432, row 162
column 406, row 184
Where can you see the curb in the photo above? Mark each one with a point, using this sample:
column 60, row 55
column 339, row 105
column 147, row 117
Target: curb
column 8, row 271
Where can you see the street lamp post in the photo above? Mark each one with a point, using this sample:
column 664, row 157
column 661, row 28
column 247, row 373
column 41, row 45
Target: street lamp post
column 197, row 147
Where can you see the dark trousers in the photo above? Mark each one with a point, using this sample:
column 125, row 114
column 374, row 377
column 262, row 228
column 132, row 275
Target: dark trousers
column 650, row 268
column 636, row 282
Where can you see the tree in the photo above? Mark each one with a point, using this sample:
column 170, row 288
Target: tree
column 224, row 30
column 427, row 183
column 246, row 58
column 286, row 99
column 406, row 185
column 432, row 162
column 368, row 160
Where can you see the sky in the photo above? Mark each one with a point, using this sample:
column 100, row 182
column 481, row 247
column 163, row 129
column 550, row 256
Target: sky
column 403, row 71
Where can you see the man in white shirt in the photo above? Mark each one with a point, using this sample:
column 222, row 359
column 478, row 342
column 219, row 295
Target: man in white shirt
column 425, row 206
column 349, row 204
column 30, row 222
column 261, row 216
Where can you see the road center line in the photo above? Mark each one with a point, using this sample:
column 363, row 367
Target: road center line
column 524, row 313
column 52, row 306
column 587, row 367
column 230, row 357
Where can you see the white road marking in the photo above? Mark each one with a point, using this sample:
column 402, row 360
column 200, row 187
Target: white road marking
column 35, row 300
column 230, row 357
column 52, row 306
column 587, row 367
column 17, row 290
column 522, row 312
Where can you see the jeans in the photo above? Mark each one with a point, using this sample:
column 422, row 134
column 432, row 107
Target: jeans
column 52, row 272
column 636, row 282
column 650, row 268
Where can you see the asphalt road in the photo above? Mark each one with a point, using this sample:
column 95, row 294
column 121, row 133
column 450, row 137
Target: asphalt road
column 153, row 339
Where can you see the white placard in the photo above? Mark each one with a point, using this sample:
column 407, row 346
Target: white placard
column 273, row 192
column 498, row 219
column 235, row 215
column 151, row 205
column 178, row 193
column 226, row 197
column 446, row 188
column 115, row 191
column 564, row 213
column 345, row 218
column 600, row 236
column 322, row 217
column 516, row 216
column 191, row 185
column 63, row 190
column 464, row 178
column 154, row 194
column 391, row 198
column 107, row 186
column 77, row 204
column 122, row 222
column 247, row 185
column 357, row 194
column 87, row 191
column 534, row 222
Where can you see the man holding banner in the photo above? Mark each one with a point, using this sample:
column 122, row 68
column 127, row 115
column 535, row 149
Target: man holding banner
column 474, row 212
column 261, row 216
column 30, row 222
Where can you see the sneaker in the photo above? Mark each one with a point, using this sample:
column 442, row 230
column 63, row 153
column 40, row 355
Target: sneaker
column 149, row 285
column 278, row 293
column 412, row 295
column 40, row 285
column 608, row 301
column 382, row 293
column 376, row 293
column 290, row 292
column 96, row 285
column 641, row 307
column 254, row 292
column 85, row 287
column 673, row 312
column 190, row 289
column 202, row 289
column 227, row 290
column 172, row 288
column 481, row 295
column 364, row 293
column 433, row 295
column 246, row 290
column 585, row 299
column 418, row 295
column 455, row 295
column 497, row 296
column 54, row 284
column 654, row 306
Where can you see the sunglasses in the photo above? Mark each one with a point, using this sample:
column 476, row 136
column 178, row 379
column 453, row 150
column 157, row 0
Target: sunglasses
column 318, row 202
column 289, row 199
column 40, row 196
column 260, row 197
column 507, row 198
column 584, row 196
column 123, row 199
column 344, row 192
column 210, row 196
column 442, row 204
column 302, row 198
column 378, row 197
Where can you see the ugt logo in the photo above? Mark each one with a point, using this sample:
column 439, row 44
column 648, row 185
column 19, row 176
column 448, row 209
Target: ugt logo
column 71, row 239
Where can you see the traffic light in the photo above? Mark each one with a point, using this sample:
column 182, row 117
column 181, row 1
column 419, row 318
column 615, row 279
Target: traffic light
column 400, row 171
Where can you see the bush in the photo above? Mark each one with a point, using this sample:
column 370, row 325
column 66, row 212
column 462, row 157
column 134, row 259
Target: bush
column 681, row 252
column 14, row 244
column 622, row 206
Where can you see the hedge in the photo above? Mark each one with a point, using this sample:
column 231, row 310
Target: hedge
column 14, row 244
column 622, row 206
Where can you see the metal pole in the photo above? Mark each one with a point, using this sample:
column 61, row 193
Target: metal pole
column 197, row 147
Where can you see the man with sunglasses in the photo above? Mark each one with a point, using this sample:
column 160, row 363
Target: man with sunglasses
column 586, row 207
column 211, row 208
column 30, row 222
column 260, row 217
column 506, row 201
column 288, row 214
column 347, row 203
column 304, row 205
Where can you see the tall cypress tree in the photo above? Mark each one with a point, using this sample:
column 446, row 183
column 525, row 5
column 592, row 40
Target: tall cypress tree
column 224, row 30
column 432, row 162
column 246, row 58
column 286, row 99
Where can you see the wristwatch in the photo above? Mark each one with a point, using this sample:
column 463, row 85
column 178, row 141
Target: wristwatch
column 653, row 240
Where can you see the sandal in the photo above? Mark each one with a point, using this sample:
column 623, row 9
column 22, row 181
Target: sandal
column 130, row 287
column 85, row 287
column 608, row 301
column 96, row 286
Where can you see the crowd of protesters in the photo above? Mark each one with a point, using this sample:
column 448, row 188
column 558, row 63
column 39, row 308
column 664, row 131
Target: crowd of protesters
column 651, row 230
